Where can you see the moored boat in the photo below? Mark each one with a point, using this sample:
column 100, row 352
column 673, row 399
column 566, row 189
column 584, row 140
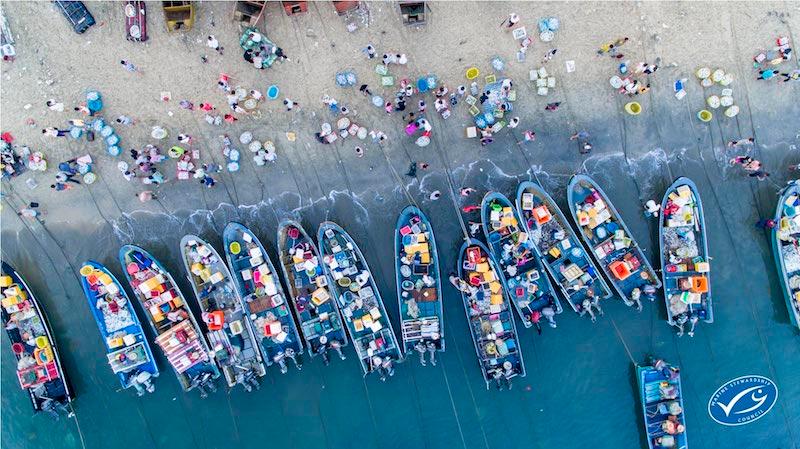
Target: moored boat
column 419, row 285
column 229, row 332
column 662, row 405
column 359, row 300
column 176, row 330
column 685, row 266
column 520, row 266
column 265, row 302
column 310, row 291
column 611, row 243
column 127, row 351
column 560, row 250
column 491, row 322
column 785, row 237
column 38, row 366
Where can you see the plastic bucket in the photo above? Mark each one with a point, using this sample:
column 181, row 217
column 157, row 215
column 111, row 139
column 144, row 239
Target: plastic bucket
column 86, row 270
column 272, row 92
column 472, row 73
column 705, row 115
column 175, row 152
column 42, row 342
column 235, row 247
column 633, row 108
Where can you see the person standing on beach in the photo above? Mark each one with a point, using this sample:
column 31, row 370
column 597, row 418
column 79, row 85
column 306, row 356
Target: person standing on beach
column 214, row 44
column 146, row 195
column 130, row 67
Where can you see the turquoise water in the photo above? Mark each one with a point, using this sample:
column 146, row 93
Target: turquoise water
column 580, row 384
column 580, row 387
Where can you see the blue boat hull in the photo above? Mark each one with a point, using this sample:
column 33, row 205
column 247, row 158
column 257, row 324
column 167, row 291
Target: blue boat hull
column 781, row 212
column 55, row 392
column 532, row 270
column 120, row 358
column 579, row 188
column 233, row 342
column 565, row 253
column 203, row 373
column 264, row 305
column 320, row 318
column 492, row 325
column 672, row 280
column 430, row 316
column 650, row 382
column 370, row 329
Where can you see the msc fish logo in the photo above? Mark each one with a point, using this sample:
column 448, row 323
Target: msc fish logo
column 743, row 400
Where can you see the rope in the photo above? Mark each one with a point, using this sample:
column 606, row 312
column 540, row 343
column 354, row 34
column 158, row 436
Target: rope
column 622, row 340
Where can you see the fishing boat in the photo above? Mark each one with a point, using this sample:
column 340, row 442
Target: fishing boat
column 419, row 285
column 521, row 270
column 359, row 300
column 310, row 289
column 38, row 365
column 684, row 256
column 662, row 405
column 785, row 236
column 229, row 332
column 611, row 242
column 265, row 305
column 491, row 322
column 127, row 350
column 558, row 247
column 171, row 319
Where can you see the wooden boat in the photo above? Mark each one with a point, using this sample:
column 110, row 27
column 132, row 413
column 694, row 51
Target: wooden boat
column 38, row 365
column 662, row 405
column 228, row 329
column 785, row 236
column 521, row 270
column 310, row 290
column 171, row 319
column 127, row 350
column 419, row 284
column 491, row 321
column 136, row 20
column 558, row 247
column 610, row 241
column 684, row 256
column 359, row 300
column 265, row 304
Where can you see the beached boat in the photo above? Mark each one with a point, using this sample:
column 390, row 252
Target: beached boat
column 38, row 366
column 662, row 405
column 491, row 321
column 310, row 289
column 604, row 231
column 229, row 332
column 521, row 270
column 684, row 256
column 127, row 350
column 419, row 286
column 359, row 300
column 171, row 319
column 560, row 250
column 785, row 237
column 265, row 304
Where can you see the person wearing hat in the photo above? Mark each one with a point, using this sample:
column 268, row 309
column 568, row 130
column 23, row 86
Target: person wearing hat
column 421, row 349
column 651, row 209
column 511, row 21
column 430, row 345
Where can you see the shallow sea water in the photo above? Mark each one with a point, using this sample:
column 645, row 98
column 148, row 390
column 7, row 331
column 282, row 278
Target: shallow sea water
column 580, row 387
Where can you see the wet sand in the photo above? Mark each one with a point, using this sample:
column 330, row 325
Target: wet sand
column 580, row 387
